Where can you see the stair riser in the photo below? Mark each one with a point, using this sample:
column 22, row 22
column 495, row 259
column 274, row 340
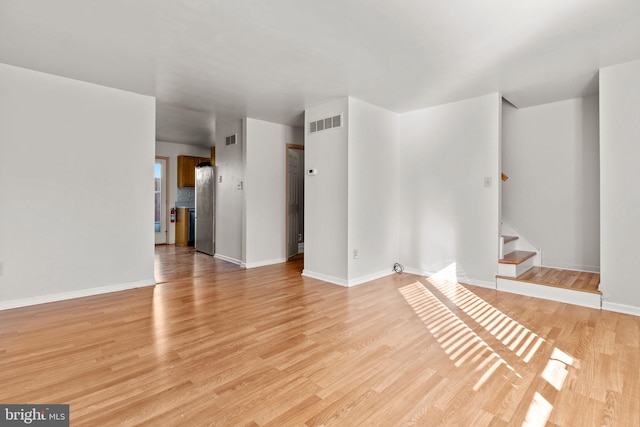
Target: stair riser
column 585, row 299
column 508, row 247
column 514, row 270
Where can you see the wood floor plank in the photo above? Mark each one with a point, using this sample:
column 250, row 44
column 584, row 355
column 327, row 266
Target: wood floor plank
column 214, row 344
column 516, row 257
column 568, row 279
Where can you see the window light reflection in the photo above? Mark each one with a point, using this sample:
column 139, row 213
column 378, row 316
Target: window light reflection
column 159, row 324
column 538, row 413
column 431, row 302
column 455, row 335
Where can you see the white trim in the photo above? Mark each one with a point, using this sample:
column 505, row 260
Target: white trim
column 43, row 299
column 369, row 277
column 264, row 263
column 585, row 299
column 621, row 308
column 417, row 272
column 515, row 270
column 325, row 278
column 479, row 283
column 465, row 281
column 228, row 259
column 572, row 267
column 347, row 283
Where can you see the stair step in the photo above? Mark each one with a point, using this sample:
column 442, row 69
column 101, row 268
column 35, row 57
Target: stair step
column 570, row 286
column 516, row 257
column 582, row 281
column 550, row 292
column 509, row 239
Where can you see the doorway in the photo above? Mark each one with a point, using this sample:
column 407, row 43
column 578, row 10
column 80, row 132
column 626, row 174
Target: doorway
column 295, row 200
column 161, row 207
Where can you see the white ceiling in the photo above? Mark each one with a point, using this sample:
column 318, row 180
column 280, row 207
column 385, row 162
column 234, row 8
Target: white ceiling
column 208, row 61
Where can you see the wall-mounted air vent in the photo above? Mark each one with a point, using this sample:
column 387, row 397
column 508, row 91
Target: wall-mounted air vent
column 325, row 124
column 230, row 140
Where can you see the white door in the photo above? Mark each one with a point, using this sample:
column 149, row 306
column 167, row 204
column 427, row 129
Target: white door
column 295, row 196
column 160, row 200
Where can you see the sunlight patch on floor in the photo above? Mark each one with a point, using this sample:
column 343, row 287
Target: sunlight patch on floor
column 159, row 323
column 556, row 370
column 457, row 339
column 432, row 300
column 505, row 329
column 538, row 413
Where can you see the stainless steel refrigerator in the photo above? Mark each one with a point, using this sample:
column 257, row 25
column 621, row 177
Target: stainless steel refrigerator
column 206, row 178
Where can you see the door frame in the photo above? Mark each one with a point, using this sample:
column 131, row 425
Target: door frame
column 286, row 198
column 167, row 197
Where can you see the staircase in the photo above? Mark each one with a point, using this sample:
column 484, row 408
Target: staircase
column 513, row 262
column 519, row 274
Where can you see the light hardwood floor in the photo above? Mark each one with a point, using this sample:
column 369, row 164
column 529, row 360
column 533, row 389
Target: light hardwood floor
column 268, row 347
column 569, row 279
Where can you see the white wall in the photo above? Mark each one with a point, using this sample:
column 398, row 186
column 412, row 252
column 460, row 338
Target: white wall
column 172, row 151
column 619, row 192
column 326, row 228
column 265, row 190
column 76, row 188
column 446, row 214
column 552, row 197
column 373, row 196
column 229, row 198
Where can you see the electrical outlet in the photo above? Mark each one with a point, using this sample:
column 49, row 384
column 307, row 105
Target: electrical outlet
column 1, row 268
column 487, row 181
column 355, row 254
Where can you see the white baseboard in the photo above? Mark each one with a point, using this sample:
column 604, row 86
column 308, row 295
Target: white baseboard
column 467, row 281
column 228, row 259
column 325, row 278
column 480, row 283
column 350, row 282
column 369, row 277
column 574, row 267
column 417, row 272
column 264, row 263
column 43, row 299
column 585, row 299
column 621, row 308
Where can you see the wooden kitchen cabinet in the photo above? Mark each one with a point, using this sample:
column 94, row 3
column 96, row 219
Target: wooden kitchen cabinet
column 182, row 227
column 187, row 170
